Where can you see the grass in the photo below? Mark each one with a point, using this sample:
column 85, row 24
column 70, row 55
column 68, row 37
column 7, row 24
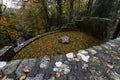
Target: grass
column 49, row 45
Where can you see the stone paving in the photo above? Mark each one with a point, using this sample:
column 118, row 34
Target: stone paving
column 96, row 63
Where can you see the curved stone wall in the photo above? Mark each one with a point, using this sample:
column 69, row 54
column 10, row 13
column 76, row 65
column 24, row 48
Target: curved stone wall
column 7, row 53
column 22, row 45
column 12, row 51
column 99, row 26
column 4, row 53
column 97, row 63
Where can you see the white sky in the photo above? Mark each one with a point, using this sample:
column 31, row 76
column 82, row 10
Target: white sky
column 11, row 3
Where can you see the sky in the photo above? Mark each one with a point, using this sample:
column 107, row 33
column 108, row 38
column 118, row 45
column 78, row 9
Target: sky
column 11, row 3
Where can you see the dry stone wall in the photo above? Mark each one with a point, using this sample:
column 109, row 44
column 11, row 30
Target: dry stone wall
column 100, row 28
column 97, row 63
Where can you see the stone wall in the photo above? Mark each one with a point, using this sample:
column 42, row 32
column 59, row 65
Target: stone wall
column 97, row 63
column 6, row 54
column 22, row 45
column 100, row 28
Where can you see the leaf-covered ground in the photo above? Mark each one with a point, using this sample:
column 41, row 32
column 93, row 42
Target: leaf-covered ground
column 49, row 45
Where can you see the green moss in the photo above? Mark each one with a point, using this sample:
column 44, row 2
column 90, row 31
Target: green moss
column 98, row 27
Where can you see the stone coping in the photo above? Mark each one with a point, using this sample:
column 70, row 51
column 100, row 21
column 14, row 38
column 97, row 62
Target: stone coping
column 4, row 50
column 22, row 45
column 9, row 49
column 97, row 63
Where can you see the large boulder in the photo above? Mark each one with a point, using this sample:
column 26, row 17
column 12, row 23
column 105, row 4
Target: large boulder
column 64, row 40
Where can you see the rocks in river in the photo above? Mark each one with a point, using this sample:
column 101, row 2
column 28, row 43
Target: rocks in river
column 64, row 40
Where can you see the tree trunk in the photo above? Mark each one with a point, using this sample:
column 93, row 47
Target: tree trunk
column 47, row 27
column 71, row 11
column 1, row 11
column 59, row 13
column 1, row 8
column 89, row 8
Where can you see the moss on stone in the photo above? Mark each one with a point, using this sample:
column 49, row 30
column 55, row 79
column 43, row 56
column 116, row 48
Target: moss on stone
column 98, row 27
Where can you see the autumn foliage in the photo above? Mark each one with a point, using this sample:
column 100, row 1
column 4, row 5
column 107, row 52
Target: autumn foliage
column 8, row 34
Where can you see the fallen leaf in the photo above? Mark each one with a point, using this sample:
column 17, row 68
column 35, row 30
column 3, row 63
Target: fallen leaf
column 4, row 78
column 118, row 57
column 25, row 69
column 57, row 75
column 110, row 64
column 23, row 77
column 78, row 58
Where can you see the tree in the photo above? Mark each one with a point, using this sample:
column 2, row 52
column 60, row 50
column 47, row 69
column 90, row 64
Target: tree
column 7, row 33
column 39, row 14
column 1, row 7
column 1, row 1
column 34, row 15
column 71, row 10
column 59, row 13
column 89, row 8
column 46, row 16
column 104, row 8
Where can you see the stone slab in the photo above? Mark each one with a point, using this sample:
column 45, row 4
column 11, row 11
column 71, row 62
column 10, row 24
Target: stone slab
column 26, row 62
